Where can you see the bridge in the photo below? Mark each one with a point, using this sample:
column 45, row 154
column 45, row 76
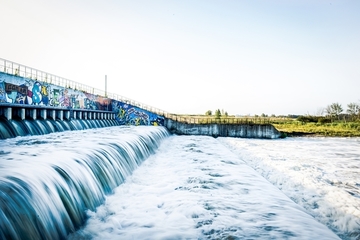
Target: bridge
column 31, row 94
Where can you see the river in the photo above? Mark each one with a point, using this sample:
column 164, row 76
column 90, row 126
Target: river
column 143, row 183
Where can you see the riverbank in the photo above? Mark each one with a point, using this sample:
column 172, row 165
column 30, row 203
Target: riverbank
column 335, row 129
column 289, row 127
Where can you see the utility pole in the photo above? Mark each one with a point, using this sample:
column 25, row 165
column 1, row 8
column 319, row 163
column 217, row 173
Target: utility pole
column 105, row 86
column 107, row 103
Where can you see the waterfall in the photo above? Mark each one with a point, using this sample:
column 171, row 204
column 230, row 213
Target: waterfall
column 48, row 182
column 15, row 127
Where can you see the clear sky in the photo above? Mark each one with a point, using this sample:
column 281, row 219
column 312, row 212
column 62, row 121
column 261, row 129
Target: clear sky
column 189, row 56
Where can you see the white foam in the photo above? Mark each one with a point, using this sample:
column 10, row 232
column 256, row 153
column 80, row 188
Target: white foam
column 195, row 188
column 320, row 174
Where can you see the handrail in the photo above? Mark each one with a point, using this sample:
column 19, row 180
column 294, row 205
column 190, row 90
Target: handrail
column 20, row 70
column 218, row 120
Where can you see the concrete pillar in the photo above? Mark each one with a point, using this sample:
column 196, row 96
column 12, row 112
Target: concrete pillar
column 75, row 117
column 43, row 113
column 8, row 113
column 21, row 113
column 66, row 115
column 102, row 116
column 60, row 114
column 52, row 114
column 85, row 115
column 79, row 115
column 33, row 113
column 89, row 115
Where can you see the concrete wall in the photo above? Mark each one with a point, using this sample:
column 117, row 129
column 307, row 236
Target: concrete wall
column 224, row 130
column 26, row 91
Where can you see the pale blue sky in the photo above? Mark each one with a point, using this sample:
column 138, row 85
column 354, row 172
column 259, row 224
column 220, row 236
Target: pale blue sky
column 246, row 57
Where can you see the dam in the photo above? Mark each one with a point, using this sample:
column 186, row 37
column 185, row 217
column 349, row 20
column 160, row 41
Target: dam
column 31, row 95
column 77, row 164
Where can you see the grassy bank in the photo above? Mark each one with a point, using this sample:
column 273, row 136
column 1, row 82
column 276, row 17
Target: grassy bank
column 335, row 129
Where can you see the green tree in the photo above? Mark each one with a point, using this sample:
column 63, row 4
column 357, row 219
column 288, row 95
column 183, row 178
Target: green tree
column 353, row 110
column 226, row 114
column 334, row 110
column 217, row 113
column 208, row 113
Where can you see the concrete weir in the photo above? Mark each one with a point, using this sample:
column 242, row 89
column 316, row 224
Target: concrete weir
column 266, row 131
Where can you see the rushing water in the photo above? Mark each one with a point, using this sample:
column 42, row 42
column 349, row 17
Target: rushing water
column 196, row 188
column 320, row 174
column 88, row 185
column 48, row 182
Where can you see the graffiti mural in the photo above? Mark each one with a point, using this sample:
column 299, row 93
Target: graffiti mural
column 2, row 92
column 20, row 90
column 130, row 115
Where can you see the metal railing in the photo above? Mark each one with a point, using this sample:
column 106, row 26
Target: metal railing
column 218, row 120
column 17, row 69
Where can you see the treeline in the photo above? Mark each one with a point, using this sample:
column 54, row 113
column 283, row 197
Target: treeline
column 333, row 112
column 217, row 113
column 336, row 111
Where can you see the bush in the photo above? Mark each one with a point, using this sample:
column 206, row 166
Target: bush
column 307, row 119
column 323, row 120
column 313, row 119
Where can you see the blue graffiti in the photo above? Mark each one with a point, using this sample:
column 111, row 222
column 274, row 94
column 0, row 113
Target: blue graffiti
column 36, row 93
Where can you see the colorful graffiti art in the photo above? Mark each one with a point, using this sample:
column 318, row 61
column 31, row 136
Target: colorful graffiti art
column 130, row 115
column 2, row 93
column 20, row 90
column 34, row 92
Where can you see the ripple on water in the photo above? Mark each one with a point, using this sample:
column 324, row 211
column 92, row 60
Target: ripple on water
column 216, row 175
column 4, row 152
column 228, row 162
